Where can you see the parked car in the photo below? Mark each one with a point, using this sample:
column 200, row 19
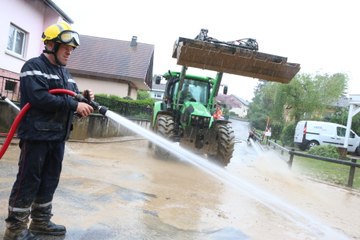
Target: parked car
column 312, row 133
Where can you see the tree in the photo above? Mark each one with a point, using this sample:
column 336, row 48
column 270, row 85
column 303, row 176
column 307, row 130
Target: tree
column 340, row 116
column 305, row 97
column 142, row 95
column 264, row 106
column 309, row 97
column 257, row 113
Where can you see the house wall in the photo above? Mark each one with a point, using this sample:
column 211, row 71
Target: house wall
column 133, row 93
column 30, row 16
column 157, row 95
column 98, row 87
column 241, row 112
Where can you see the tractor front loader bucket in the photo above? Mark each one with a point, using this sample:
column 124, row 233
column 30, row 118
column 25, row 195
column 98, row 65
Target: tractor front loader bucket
column 233, row 59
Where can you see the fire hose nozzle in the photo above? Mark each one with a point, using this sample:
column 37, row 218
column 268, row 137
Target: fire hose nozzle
column 102, row 110
column 96, row 106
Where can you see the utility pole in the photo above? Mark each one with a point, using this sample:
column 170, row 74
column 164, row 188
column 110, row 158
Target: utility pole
column 354, row 109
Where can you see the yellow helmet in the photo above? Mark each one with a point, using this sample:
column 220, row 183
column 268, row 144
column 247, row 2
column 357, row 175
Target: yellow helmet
column 61, row 32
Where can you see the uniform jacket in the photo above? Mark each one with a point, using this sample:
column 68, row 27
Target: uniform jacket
column 50, row 116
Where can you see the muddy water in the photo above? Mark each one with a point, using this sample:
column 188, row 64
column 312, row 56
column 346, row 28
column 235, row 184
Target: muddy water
column 120, row 191
column 171, row 197
column 331, row 210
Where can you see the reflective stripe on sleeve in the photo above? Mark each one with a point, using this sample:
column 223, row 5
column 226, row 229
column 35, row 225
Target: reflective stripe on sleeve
column 71, row 80
column 38, row 73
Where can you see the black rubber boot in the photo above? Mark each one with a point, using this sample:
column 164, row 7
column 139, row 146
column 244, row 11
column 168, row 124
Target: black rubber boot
column 16, row 226
column 41, row 223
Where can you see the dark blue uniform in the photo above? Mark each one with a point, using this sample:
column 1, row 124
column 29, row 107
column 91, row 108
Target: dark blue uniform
column 42, row 132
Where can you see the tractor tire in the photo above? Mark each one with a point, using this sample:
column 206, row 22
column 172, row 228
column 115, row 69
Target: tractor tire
column 225, row 139
column 164, row 127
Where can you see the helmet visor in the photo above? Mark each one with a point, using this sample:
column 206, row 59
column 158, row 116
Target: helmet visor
column 69, row 37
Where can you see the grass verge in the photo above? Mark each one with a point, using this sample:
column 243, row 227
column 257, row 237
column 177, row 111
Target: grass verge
column 326, row 171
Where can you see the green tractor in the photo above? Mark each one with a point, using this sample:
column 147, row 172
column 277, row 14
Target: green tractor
column 186, row 116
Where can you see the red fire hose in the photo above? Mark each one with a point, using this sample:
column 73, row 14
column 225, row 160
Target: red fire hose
column 21, row 115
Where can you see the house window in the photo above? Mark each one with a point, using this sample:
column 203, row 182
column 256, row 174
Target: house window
column 157, row 95
column 10, row 86
column 16, row 41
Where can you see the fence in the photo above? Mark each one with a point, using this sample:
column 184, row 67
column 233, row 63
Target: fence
column 352, row 163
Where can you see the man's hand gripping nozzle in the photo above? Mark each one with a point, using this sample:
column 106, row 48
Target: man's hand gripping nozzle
column 101, row 109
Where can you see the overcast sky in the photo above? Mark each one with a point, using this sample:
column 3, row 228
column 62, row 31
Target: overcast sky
column 322, row 35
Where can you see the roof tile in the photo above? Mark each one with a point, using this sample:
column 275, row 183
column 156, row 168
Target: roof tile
column 113, row 58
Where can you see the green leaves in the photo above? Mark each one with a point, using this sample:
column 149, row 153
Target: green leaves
column 305, row 97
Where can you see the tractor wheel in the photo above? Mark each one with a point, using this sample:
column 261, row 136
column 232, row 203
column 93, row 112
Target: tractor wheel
column 165, row 128
column 225, row 139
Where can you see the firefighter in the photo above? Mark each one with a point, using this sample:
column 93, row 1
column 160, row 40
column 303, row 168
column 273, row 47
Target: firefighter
column 43, row 132
column 218, row 112
column 185, row 94
column 251, row 135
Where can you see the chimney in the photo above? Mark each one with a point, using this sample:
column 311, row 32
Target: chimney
column 133, row 42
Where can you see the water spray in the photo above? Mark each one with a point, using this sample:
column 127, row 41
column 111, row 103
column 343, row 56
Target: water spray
column 9, row 102
column 102, row 110
column 291, row 213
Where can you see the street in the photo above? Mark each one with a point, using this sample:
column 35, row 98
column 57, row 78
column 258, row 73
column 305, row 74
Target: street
column 119, row 190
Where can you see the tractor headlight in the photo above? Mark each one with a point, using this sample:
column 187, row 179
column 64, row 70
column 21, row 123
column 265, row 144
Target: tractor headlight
column 200, row 122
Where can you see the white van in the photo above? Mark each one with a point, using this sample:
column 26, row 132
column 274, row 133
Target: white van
column 313, row 133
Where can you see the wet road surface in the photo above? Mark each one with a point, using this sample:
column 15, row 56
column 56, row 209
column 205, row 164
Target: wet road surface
column 119, row 190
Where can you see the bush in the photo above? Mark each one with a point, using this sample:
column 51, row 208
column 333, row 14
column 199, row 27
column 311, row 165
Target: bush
column 258, row 122
column 126, row 107
column 287, row 135
column 276, row 129
column 325, row 151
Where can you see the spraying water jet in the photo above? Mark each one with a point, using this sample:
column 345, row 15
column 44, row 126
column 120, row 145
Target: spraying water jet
column 9, row 102
column 275, row 204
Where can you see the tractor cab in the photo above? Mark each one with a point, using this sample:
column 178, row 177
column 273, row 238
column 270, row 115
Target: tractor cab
column 191, row 90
